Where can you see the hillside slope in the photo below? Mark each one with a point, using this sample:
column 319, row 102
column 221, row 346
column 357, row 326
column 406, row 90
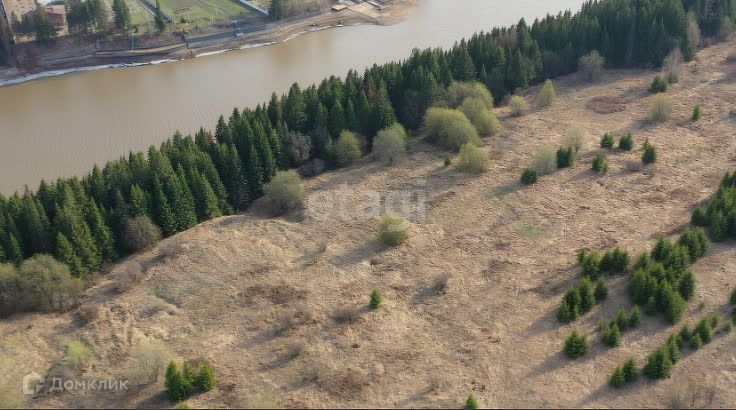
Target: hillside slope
column 217, row 292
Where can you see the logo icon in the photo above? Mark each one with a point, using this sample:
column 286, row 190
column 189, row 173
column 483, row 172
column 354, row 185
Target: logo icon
column 32, row 383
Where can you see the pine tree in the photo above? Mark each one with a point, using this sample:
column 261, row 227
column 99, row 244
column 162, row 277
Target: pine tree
column 13, row 252
column 659, row 364
column 587, row 296
column 207, row 200
column 471, row 403
column 174, row 383
column 254, row 173
column 185, row 207
column 674, row 349
column 687, row 285
column 634, row 318
column 622, row 320
column 576, row 345
column 65, row 253
column 383, row 112
column 138, row 201
column 164, row 215
column 100, row 231
column 630, row 372
column 617, row 379
column 265, row 156
column 159, row 18
column 612, row 335
column 376, row 299
column 601, row 291
column 206, row 379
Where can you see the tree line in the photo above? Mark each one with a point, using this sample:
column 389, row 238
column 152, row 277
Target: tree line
column 191, row 179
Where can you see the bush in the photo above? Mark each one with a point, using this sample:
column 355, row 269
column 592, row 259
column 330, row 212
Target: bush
column 473, row 159
column 89, row 312
column 393, row 230
column 284, row 193
column 626, row 142
column 650, row 154
column 600, row 164
column 590, row 66
column 545, row 161
column 576, row 138
column 661, row 108
column 483, row 119
column 449, row 129
column 390, row 143
column 529, row 177
column 697, row 112
column 547, row 95
column 565, row 157
column 147, row 362
column 77, row 357
column 459, row 91
column 576, row 345
column 347, row 149
column 607, row 141
column 658, row 85
column 518, row 105
column 41, row 283
column 376, row 299
column 296, row 147
column 140, row 233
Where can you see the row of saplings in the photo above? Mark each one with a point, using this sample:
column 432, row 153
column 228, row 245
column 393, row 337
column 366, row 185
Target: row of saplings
column 181, row 384
column 566, row 155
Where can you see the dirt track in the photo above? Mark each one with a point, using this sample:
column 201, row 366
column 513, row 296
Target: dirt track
column 216, row 292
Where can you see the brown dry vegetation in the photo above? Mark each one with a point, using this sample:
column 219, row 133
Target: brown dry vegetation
column 279, row 306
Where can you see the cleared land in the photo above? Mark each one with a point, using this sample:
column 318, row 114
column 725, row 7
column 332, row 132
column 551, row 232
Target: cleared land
column 264, row 299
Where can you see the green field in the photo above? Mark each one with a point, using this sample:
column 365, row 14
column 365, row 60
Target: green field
column 194, row 12
column 203, row 12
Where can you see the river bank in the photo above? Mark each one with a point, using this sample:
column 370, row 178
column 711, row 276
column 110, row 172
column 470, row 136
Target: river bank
column 208, row 43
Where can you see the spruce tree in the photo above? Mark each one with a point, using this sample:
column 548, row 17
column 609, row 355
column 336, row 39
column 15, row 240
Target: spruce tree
column 174, row 383
column 471, row 403
column 158, row 18
column 634, row 318
column 587, row 296
column 576, row 345
column 687, row 285
column 618, row 378
column 376, row 299
column 185, row 207
column 164, row 217
column 601, row 291
column 208, row 203
column 630, row 372
column 206, row 379
column 101, row 232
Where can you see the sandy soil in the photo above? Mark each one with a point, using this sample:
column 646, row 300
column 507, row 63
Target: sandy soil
column 219, row 291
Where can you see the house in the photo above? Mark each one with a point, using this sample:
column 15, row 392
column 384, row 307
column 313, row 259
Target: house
column 57, row 13
column 18, row 8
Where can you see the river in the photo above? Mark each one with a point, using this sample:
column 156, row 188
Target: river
column 62, row 126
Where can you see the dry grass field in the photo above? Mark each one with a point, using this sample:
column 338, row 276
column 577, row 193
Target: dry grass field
column 279, row 306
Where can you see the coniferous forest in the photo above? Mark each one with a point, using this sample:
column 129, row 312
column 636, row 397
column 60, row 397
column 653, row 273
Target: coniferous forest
column 82, row 221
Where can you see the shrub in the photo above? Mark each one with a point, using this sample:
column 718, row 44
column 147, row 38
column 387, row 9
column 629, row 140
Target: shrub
column 296, row 147
column 576, row 138
column 346, row 149
column 459, row 91
column 483, row 119
column 658, row 85
column 206, row 378
column 473, row 159
column 545, row 161
column 728, row 326
column 650, row 154
column 147, row 362
column 529, row 177
column 565, row 157
column 600, row 164
column 697, row 112
column 471, row 403
column 448, row 160
column 590, row 66
column 346, row 314
column 518, row 105
column 547, row 95
column 140, row 233
column 88, row 312
column 390, row 143
column 284, row 193
column 661, row 108
column 41, row 283
column 617, row 379
column 449, row 129
column 626, row 142
column 78, row 355
column 376, row 299
column 393, row 230
column 576, row 345
column 607, row 141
